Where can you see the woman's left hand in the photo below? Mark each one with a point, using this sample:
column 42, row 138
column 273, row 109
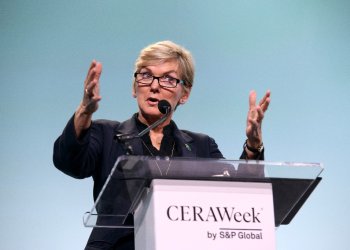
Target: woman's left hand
column 255, row 116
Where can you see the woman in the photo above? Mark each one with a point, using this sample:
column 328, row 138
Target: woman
column 163, row 71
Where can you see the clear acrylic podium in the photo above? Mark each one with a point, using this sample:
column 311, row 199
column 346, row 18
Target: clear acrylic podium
column 196, row 190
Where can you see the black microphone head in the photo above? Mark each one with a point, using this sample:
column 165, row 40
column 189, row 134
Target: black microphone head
column 164, row 106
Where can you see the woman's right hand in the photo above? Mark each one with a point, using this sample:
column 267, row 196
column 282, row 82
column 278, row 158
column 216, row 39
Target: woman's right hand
column 92, row 88
column 91, row 97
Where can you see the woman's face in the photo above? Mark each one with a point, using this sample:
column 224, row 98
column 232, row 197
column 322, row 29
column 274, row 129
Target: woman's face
column 149, row 96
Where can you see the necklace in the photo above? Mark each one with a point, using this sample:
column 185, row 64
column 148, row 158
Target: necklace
column 160, row 170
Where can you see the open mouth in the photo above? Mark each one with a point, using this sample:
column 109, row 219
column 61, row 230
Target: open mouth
column 153, row 101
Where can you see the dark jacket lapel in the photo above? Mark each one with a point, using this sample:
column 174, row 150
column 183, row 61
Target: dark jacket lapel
column 129, row 127
column 186, row 143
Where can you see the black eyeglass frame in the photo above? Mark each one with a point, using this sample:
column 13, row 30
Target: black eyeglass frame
column 159, row 81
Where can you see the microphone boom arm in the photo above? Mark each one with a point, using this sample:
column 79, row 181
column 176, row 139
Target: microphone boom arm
column 161, row 120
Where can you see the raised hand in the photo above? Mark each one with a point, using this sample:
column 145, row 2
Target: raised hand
column 91, row 97
column 255, row 117
column 92, row 88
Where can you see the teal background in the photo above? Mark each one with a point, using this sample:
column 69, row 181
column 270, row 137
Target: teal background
column 299, row 49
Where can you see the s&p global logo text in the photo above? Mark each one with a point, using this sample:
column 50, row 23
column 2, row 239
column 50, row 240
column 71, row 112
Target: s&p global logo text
column 233, row 223
column 213, row 214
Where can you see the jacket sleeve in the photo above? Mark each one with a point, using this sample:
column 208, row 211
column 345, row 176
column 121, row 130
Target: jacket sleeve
column 214, row 149
column 78, row 157
column 260, row 156
column 215, row 152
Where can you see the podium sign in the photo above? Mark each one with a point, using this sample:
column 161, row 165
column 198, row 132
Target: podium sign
column 176, row 214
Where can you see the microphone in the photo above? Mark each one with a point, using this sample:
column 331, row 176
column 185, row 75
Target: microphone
column 164, row 108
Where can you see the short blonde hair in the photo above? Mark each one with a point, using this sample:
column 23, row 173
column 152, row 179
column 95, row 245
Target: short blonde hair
column 165, row 51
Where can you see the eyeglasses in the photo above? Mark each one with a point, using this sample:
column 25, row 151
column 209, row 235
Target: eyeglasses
column 166, row 81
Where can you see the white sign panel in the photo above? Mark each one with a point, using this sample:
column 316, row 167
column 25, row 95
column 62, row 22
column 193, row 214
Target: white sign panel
column 206, row 215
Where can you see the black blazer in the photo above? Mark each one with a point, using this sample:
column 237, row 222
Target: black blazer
column 95, row 153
